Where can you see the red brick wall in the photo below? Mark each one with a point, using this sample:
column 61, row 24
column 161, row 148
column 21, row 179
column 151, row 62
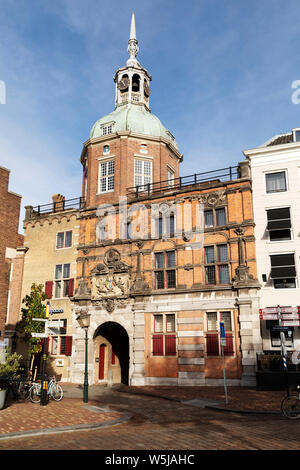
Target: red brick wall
column 124, row 149
column 9, row 238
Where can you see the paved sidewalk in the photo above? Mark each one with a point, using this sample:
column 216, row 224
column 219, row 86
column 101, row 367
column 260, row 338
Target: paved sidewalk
column 242, row 399
column 20, row 418
column 23, row 418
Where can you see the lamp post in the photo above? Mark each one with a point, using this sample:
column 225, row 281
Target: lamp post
column 84, row 322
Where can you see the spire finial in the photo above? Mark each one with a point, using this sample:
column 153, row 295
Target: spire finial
column 133, row 47
column 132, row 27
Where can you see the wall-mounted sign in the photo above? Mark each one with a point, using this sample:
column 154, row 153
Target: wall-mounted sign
column 57, row 310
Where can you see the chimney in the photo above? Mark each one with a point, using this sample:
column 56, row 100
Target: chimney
column 58, row 202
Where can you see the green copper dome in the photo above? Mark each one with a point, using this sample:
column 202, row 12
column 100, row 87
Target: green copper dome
column 132, row 118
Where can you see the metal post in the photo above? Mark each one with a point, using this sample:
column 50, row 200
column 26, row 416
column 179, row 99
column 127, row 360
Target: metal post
column 86, row 381
column 44, row 383
column 224, row 374
column 283, row 350
column 223, row 342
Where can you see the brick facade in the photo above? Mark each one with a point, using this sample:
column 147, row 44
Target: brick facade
column 10, row 239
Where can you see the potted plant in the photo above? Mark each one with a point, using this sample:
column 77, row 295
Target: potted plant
column 10, row 368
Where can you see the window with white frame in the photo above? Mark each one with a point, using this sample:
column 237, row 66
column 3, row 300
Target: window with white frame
column 164, row 270
column 106, row 176
column 276, row 182
column 63, row 283
column 279, row 224
column 142, row 172
column 164, row 335
column 107, row 129
column 170, row 177
column 283, row 270
column 64, row 239
column 61, row 344
column 216, row 264
column 213, row 346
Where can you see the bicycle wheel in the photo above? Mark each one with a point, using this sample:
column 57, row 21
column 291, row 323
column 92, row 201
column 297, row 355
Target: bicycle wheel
column 35, row 394
column 290, row 407
column 56, row 392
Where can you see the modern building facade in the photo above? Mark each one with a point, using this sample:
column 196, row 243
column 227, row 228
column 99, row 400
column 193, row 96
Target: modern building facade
column 275, row 169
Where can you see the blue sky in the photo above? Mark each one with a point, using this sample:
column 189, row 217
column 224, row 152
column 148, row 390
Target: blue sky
column 221, row 71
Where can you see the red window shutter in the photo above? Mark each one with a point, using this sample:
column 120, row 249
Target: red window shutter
column 113, row 357
column 228, row 349
column 68, row 346
column 158, row 349
column 170, row 345
column 212, row 344
column 49, row 289
column 71, row 287
column 47, row 344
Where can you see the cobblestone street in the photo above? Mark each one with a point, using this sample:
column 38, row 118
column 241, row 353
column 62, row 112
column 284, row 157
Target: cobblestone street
column 160, row 424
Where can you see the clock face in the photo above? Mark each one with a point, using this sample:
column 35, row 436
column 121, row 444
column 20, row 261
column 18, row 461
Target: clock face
column 123, row 83
column 146, row 89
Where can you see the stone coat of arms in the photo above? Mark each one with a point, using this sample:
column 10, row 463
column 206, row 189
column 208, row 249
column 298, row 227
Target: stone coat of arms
column 111, row 281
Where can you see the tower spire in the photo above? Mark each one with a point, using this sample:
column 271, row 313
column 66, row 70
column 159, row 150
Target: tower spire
column 132, row 27
column 133, row 47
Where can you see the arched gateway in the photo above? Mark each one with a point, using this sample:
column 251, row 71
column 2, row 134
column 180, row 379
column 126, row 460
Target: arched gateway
column 111, row 350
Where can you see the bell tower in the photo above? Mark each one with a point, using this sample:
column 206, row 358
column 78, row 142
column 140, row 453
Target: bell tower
column 133, row 80
column 128, row 148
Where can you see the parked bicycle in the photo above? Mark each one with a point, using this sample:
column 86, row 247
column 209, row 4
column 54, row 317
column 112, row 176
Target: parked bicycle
column 54, row 391
column 290, row 405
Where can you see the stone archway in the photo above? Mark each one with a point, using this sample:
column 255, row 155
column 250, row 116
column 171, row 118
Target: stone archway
column 118, row 351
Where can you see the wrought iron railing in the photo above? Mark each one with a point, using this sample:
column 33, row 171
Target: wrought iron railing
column 59, row 206
column 223, row 174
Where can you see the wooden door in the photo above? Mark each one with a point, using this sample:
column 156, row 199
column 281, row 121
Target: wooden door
column 101, row 361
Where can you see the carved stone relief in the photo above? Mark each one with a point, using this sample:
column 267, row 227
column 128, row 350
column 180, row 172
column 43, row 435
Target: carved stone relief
column 111, row 282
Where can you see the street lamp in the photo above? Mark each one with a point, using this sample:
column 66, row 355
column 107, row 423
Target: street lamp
column 84, row 322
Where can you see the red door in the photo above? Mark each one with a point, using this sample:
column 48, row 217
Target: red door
column 101, row 361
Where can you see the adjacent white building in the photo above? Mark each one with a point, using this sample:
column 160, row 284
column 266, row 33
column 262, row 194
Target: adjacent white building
column 275, row 170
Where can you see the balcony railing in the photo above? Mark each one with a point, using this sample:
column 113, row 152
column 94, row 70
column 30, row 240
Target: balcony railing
column 223, row 174
column 58, row 206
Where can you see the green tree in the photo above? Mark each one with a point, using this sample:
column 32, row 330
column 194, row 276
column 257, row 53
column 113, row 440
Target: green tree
column 33, row 309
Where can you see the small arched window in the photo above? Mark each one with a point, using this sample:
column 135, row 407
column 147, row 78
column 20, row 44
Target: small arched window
column 136, row 82
column 106, row 149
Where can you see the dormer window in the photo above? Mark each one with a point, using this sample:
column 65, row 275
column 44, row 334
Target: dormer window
column 107, row 129
column 296, row 135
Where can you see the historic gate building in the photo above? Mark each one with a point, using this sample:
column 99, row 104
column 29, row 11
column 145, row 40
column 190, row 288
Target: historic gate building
column 152, row 259
column 162, row 259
